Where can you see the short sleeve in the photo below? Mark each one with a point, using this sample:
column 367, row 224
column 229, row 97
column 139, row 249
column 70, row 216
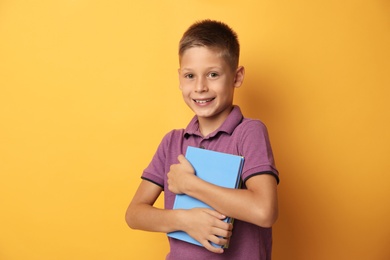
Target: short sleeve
column 256, row 148
column 155, row 171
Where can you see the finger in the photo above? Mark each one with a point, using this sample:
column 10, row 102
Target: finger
column 220, row 223
column 218, row 240
column 222, row 232
column 212, row 248
column 172, row 167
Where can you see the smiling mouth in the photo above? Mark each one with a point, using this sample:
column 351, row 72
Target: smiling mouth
column 203, row 101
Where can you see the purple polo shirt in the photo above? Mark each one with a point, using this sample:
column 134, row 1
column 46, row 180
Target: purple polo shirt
column 239, row 136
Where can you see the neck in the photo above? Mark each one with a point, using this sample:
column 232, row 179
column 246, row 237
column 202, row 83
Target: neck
column 208, row 125
column 207, row 128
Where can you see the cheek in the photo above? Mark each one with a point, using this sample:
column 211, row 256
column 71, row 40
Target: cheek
column 227, row 93
column 184, row 92
column 185, row 88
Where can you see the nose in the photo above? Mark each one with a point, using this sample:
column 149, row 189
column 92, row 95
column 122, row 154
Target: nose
column 201, row 85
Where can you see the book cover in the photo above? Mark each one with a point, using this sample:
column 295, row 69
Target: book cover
column 218, row 168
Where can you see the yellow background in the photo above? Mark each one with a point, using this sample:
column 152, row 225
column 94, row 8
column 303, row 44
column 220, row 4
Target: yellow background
column 88, row 89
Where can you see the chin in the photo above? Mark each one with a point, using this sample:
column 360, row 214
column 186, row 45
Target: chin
column 208, row 115
column 203, row 112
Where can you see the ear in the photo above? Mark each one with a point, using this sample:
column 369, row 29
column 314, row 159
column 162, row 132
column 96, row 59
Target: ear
column 239, row 78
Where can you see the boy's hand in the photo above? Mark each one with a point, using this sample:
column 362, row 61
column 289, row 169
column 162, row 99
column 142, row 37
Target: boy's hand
column 203, row 224
column 180, row 175
column 206, row 226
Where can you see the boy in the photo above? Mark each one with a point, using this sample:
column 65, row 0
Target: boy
column 208, row 76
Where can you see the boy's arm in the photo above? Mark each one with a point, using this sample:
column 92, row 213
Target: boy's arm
column 204, row 225
column 142, row 215
column 258, row 204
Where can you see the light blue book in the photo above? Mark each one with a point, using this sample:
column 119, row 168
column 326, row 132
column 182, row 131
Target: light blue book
column 218, row 168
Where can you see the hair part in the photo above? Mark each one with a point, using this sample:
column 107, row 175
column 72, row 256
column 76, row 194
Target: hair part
column 215, row 35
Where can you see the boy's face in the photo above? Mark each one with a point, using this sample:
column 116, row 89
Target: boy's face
column 207, row 83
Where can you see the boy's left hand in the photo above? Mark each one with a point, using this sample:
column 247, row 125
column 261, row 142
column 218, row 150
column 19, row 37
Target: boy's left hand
column 180, row 175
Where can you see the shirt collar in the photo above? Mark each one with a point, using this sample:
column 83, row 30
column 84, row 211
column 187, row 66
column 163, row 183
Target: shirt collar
column 232, row 121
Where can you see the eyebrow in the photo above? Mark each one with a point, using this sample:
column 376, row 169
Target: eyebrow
column 208, row 68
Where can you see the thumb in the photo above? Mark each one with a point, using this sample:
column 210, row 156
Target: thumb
column 186, row 164
column 183, row 160
column 214, row 213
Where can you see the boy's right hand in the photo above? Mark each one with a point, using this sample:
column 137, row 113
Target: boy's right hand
column 206, row 226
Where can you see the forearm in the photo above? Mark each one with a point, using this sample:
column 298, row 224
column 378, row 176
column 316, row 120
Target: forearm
column 141, row 214
column 257, row 205
column 203, row 224
column 149, row 218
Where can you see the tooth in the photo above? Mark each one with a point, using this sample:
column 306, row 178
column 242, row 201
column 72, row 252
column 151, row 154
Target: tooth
column 202, row 101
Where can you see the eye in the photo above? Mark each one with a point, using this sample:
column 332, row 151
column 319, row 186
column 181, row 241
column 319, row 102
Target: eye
column 213, row 75
column 189, row 76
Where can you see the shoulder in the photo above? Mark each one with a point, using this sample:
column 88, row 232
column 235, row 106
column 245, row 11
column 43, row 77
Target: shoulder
column 249, row 127
column 252, row 123
column 173, row 134
column 167, row 149
column 172, row 137
column 253, row 138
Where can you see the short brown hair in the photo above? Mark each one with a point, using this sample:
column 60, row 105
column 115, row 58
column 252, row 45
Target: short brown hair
column 212, row 34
